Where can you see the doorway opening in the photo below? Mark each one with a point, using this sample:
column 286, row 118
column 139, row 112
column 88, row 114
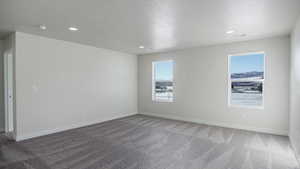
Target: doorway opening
column 8, row 79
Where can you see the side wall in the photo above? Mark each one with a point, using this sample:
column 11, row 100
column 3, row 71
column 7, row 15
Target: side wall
column 201, row 86
column 62, row 85
column 295, row 90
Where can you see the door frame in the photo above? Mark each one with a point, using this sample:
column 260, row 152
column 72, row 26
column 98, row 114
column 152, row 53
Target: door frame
column 8, row 91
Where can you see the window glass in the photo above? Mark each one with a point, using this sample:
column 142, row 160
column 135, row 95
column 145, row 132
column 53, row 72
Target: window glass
column 246, row 80
column 162, row 89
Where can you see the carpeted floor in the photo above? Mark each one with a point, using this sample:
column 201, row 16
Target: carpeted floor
column 143, row 142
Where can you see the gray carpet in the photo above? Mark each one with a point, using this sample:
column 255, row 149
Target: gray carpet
column 143, row 142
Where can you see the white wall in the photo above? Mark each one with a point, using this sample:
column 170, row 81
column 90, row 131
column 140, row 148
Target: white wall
column 2, row 108
column 201, row 86
column 61, row 85
column 295, row 90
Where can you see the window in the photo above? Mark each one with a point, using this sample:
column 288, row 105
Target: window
column 246, row 80
column 162, row 82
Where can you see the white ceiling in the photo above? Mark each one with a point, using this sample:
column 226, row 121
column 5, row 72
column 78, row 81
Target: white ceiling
column 159, row 25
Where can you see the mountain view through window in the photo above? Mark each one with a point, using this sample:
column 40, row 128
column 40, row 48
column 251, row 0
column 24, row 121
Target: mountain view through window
column 163, row 81
column 246, row 79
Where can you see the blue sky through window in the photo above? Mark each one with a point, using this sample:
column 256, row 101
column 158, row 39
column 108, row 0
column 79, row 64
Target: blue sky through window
column 164, row 70
column 247, row 63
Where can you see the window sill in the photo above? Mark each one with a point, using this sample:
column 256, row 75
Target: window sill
column 162, row 101
column 246, row 107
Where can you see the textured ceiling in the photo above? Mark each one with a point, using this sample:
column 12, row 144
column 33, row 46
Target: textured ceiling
column 159, row 25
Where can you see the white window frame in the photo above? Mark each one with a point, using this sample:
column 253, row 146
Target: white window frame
column 154, row 98
column 229, row 81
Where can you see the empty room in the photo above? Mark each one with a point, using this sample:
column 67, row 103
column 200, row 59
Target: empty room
column 150, row 84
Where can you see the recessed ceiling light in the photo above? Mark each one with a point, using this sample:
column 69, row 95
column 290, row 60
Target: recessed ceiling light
column 43, row 27
column 73, row 29
column 141, row 47
column 230, row 31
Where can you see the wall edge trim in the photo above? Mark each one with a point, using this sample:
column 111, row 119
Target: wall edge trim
column 69, row 127
column 220, row 124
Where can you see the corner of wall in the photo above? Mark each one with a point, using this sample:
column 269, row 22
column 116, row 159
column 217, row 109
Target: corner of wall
column 294, row 93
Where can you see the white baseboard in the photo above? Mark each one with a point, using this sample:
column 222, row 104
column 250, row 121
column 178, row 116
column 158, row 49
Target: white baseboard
column 221, row 124
column 64, row 128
